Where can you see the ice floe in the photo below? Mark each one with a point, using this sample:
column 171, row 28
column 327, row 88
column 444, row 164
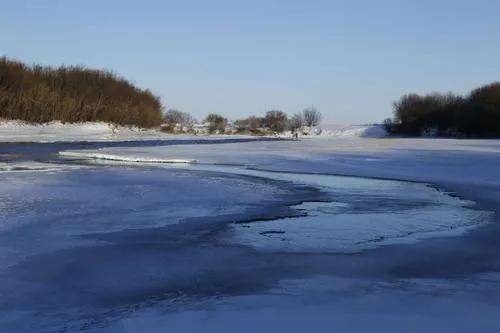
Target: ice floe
column 130, row 158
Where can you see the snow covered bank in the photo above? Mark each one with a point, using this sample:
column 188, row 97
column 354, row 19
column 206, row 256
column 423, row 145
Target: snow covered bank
column 350, row 131
column 17, row 131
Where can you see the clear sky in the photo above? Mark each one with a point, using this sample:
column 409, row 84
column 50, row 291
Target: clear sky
column 349, row 58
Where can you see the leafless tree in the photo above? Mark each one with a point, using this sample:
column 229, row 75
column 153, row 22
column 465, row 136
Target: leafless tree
column 71, row 94
column 174, row 117
column 295, row 122
column 276, row 120
column 312, row 117
column 250, row 124
column 217, row 123
column 388, row 125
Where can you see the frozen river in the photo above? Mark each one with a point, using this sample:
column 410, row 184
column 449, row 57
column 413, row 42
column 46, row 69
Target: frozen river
column 256, row 235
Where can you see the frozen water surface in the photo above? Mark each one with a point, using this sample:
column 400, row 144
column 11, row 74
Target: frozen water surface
column 45, row 211
column 254, row 236
column 362, row 214
column 324, row 230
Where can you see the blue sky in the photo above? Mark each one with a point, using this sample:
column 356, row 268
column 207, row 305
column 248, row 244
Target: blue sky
column 351, row 59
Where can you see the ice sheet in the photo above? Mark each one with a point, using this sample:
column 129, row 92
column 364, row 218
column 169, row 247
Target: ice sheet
column 43, row 212
column 426, row 160
column 364, row 214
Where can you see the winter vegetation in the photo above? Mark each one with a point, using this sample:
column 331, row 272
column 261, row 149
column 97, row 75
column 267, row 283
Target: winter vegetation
column 177, row 121
column 311, row 117
column 216, row 123
column 73, row 94
column 276, row 121
column 41, row 94
column 475, row 115
column 271, row 123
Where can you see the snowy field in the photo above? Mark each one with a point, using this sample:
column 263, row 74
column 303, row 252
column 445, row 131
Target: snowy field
column 334, row 233
column 16, row 131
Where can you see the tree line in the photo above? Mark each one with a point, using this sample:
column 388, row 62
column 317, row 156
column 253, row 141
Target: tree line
column 40, row 94
column 474, row 115
column 273, row 122
column 71, row 94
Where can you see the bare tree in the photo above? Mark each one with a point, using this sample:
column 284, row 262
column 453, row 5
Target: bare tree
column 217, row 123
column 276, row 120
column 71, row 94
column 388, row 125
column 251, row 124
column 254, row 123
column 312, row 117
column 174, row 117
column 295, row 122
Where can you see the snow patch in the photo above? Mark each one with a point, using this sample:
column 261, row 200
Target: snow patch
column 353, row 131
column 18, row 131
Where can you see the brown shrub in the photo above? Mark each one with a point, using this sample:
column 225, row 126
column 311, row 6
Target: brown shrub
column 41, row 94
